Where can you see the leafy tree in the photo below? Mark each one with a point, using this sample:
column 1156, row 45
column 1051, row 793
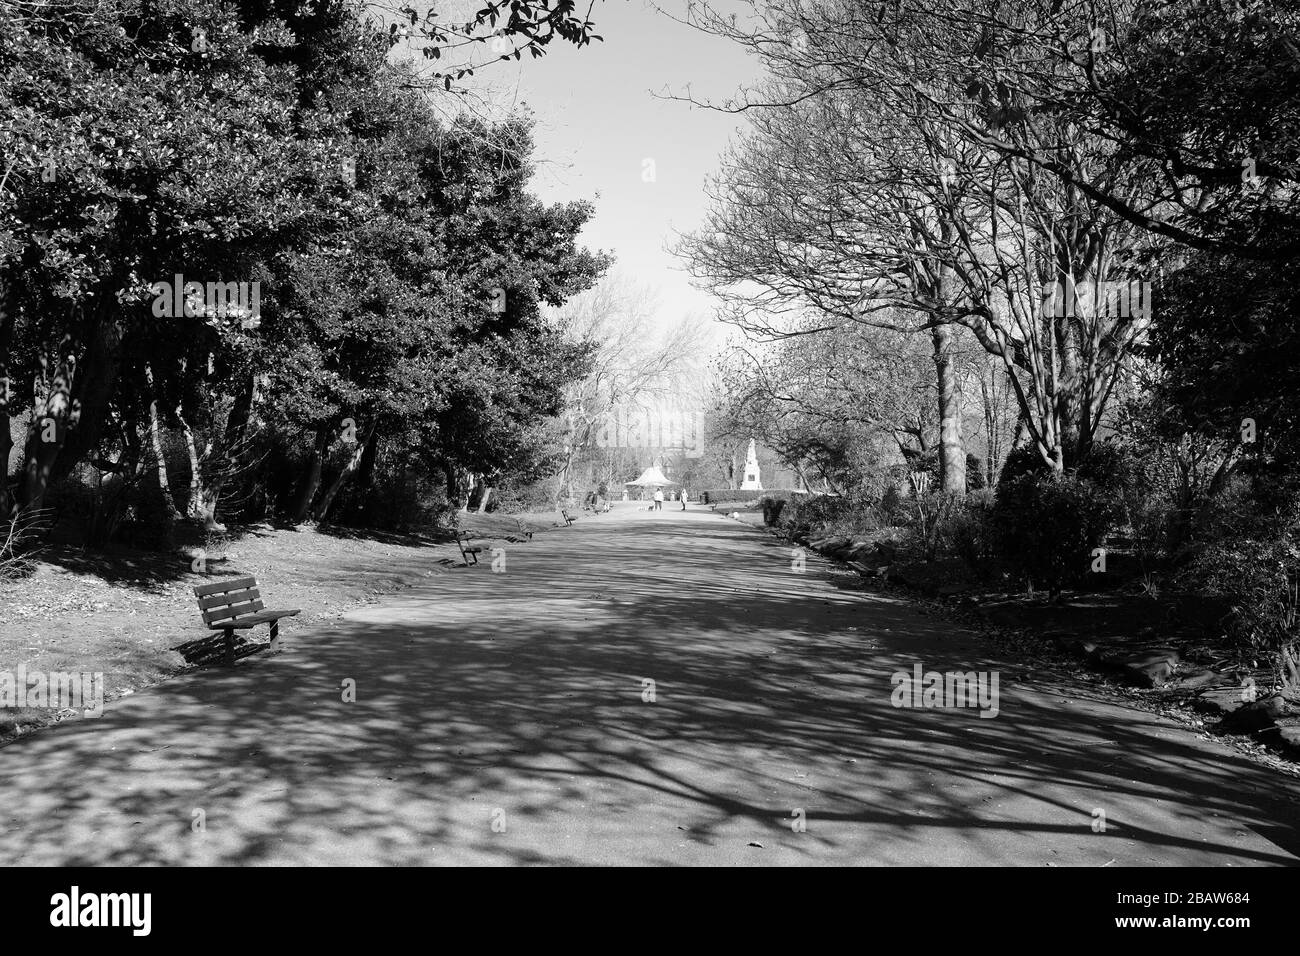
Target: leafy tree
column 273, row 146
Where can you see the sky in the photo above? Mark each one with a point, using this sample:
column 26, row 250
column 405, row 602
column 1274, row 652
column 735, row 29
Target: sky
column 602, row 133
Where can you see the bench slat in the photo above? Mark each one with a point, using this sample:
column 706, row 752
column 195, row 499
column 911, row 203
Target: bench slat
column 234, row 584
column 232, row 597
column 234, row 610
column 253, row 620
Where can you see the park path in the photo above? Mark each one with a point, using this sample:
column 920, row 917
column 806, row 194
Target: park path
column 501, row 718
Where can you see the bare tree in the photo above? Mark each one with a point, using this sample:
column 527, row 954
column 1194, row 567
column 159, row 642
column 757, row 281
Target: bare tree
column 822, row 208
column 633, row 364
column 834, row 402
column 862, row 193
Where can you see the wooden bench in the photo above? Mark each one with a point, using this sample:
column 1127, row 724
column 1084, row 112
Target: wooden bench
column 567, row 520
column 468, row 552
column 524, row 529
column 236, row 605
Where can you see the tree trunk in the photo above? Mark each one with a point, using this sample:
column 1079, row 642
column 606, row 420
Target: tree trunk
column 483, row 502
column 45, row 436
column 194, row 503
column 988, row 373
column 92, row 393
column 159, row 460
column 160, row 464
column 369, row 458
column 321, row 510
column 310, row 481
column 241, row 413
column 449, row 476
column 952, row 453
column 6, row 400
column 565, row 486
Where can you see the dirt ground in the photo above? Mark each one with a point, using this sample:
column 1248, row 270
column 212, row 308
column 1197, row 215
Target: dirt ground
column 132, row 616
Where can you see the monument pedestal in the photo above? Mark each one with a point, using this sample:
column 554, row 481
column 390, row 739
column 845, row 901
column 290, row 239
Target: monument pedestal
column 753, row 480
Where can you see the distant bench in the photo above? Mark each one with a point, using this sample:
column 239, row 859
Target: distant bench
column 468, row 552
column 236, row 605
column 567, row 520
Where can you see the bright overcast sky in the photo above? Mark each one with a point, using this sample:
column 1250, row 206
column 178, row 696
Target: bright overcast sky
column 598, row 122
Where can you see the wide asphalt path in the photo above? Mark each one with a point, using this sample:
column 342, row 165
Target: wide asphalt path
column 640, row 688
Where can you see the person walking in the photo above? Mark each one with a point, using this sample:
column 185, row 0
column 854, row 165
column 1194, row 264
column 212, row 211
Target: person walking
column 685, row 496
column 659, row 499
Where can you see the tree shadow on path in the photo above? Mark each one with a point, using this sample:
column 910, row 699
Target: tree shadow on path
column 631, row 690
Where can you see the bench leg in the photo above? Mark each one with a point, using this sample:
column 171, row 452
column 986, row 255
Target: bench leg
column 275, row 637
column 230, row 647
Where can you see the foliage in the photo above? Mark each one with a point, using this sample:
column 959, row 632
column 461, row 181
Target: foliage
column 19, row 544
column 850, row 515
column 970, row 533
column 772, row 508
column 725, row 495
column 1048, row 526
column 1228, row 347
column 1260, row 581
column 400, row 263
column 1020, row 461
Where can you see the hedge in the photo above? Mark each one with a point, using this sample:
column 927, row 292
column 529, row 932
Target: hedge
column 714, row 496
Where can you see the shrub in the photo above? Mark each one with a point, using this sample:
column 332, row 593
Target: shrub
column 1048, row 525
column 929, row 518
column 716, row 495
column 407, row 501
column 772, row 508
column 513, row 498
column 19, row 543
column 1113, row 468
column 1020, row 461
column 970, row 533
column 833, row 514
column 1259, row 581
column 892, row 503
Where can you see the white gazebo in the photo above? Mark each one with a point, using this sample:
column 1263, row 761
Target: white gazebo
column 652, row 477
